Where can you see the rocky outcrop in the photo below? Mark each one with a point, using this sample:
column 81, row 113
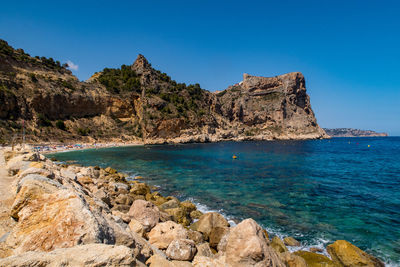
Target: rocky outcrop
column 140, row 104
column 349, row 132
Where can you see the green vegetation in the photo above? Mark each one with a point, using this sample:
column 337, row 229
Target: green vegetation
column 19, row 55
column 65, row 84
column 61, row 125
column 33, row 77
column 120, row 80
column 43, row 120
column 84, row 131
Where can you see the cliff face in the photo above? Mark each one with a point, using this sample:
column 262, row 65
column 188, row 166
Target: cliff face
column 139, row 103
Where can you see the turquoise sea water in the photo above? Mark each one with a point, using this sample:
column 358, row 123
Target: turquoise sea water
column 317, row 191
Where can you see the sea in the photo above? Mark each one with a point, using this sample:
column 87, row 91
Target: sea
column 317, row 191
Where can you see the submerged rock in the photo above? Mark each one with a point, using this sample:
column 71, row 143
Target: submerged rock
column 347, row 254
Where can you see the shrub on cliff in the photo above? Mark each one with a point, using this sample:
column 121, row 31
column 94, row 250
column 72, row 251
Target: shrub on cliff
column 43, row 121
column 61, row 125
column 119, row 80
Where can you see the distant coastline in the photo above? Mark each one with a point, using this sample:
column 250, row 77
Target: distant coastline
column 350, row 132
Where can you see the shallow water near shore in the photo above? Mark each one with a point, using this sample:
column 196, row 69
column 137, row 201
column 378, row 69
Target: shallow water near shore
column 317, row 191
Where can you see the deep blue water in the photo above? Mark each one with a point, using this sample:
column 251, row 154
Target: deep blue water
column 317, row 191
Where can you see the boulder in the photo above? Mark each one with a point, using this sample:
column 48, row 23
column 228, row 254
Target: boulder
column 278, row 245
column 136, row 227
column 179, row 215
column 347, row 254
column 160, row 261
column 197, row 237
column 203, row 249
column 170, row 204
column 110, row 170
column 216, row 234
column 196, row 214
column 202, row 261
column 181, row 249
column 315, row 259
column 145, row 212
column 292, row 260
column 208, row 222
column 139, row 188
column 291, row 242
column 84, row 255
column 155, row 198
column 247, row 246
column 164, row 233
column 188, row 206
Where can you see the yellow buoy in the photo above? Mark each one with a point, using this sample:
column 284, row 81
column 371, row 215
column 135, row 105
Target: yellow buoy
column 368, row 145
column 234, row 157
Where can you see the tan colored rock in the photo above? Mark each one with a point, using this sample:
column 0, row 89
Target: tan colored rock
column 124, row 216
column 347, row 254
column 315, row 259
column 278, row 245
column 145, row 212
column 247, row 246
column 164, row 233
column 209, row 221
column 292, row 260
column 202, row 261
column 197, row 237
column 85, row 180
column 91, row 255
column 179, row 215
column 290, row 241
column 160, row 261
column 136, row 227
column 216, row 234
column 203, row 249
column 181, row 249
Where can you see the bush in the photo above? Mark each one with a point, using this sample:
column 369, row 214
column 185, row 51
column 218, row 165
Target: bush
column 118, row 80
column 33, row 77
column 43, row 121
column 83, row 131
column 61, row 125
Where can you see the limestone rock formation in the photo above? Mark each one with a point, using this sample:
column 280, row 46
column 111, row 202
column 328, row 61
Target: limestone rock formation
column 138, row 103
column 145, row 212
column 181, row 249
column 208, row 222
column 164, row 233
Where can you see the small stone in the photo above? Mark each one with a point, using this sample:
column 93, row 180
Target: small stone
column 110, row 170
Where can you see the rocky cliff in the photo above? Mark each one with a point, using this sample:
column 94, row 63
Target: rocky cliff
column 139, row 103
column 349, row 132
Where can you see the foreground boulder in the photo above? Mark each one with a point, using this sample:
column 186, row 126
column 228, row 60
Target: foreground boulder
column 292, row 260
column 247, row 245
column 50, row 216
column 181, row 249
column 145, row 212
column 86, row 255
column 164, row 233
column 208, row 222
column 347, row 254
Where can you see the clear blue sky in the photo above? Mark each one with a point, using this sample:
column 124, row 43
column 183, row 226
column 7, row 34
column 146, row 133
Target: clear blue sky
column 349, row 51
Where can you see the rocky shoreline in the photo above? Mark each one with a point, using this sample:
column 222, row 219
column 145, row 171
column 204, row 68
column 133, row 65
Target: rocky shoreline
column 70, row 215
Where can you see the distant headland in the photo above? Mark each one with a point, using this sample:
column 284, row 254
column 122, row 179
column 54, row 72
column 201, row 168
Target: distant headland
column 350, row 132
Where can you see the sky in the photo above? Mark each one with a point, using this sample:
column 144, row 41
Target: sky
column 348, row 51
